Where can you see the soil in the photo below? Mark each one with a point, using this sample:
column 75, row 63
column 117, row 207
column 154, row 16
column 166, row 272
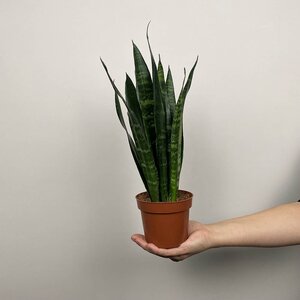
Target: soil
column 182, row 196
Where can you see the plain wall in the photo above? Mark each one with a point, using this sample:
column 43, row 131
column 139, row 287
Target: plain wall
column 67, row 178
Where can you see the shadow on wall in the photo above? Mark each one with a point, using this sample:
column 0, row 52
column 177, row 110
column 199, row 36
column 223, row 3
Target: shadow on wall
column 239, row 262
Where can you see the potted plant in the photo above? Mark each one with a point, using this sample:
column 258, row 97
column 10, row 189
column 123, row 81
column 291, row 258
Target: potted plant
column 156, row 143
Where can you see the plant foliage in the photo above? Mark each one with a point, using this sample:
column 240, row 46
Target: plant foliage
column 156, row 124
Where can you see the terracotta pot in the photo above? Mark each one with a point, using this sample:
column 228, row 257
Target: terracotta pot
column 165, row 223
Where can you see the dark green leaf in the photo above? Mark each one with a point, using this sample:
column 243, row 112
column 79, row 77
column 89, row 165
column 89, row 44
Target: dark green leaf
column 112, row 83
column 146, row 160
column 131, row 142
column 142, row 150
column 132, row 100
column 144, row 89
column 161, row 129
column 170, row 92
column 161, row 76
column 177, row 137
column 170, row 105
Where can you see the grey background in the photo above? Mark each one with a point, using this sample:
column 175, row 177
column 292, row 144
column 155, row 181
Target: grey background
column 67, row 178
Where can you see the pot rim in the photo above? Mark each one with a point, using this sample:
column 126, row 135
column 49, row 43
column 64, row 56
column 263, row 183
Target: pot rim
column 164, row 207
column 139, row 197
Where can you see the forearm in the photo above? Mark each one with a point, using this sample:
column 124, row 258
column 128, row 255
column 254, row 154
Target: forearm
column 278, row 226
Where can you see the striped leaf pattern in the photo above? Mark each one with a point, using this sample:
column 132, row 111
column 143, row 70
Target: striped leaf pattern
column 156, row 123
column 141, row 148
column 144, row 88
column 160, row 125
column 177, row 137
column 130, row 140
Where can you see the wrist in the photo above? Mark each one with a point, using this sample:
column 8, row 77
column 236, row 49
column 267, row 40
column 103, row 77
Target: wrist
column 224, row 234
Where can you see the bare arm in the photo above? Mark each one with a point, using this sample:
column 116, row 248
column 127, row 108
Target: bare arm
column 274, row 227
column 278, row 226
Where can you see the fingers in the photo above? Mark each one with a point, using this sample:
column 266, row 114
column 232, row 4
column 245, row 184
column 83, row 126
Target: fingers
column 179, row 258
column 140, row 240
column 196, row 243
column 167, row 252
column 176, row 253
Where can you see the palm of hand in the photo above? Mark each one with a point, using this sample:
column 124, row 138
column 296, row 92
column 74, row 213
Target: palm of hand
column 196, row 243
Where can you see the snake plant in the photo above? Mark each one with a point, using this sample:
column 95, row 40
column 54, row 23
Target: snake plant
column 156, row 122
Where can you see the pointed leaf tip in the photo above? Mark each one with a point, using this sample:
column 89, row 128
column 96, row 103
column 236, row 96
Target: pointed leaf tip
column 147, row 31
column 196, row 61
column 133, row 44
column 104, row 65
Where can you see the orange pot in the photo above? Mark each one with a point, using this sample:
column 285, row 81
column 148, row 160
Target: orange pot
column 165, row 223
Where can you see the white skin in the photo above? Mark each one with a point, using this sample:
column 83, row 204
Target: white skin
column 275, row 227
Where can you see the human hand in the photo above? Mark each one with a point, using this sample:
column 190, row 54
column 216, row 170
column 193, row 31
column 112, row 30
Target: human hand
column 198, row 241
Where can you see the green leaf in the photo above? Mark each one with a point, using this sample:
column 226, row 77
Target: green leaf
column 170, row 105
column 146, row 159
column 163, row 88
column 170, row 92
column 181, row 154
column 177, row 137
column 144, row 89
column 161, row 129
column 131, row 142
column 113, row 84
column 161, row 76
column 132, row 100
column 142, row 151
